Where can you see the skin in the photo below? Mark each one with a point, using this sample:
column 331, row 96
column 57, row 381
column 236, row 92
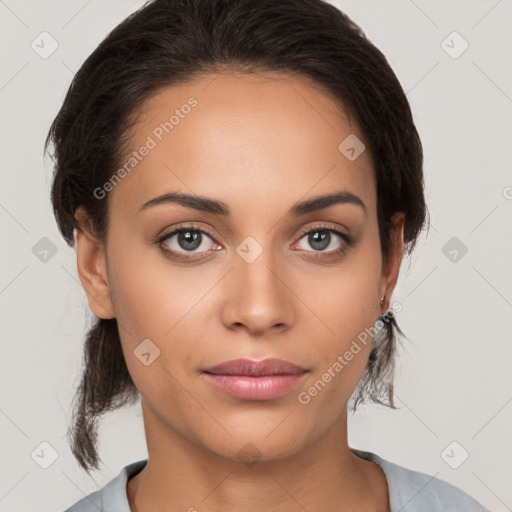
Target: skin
column 259, row 144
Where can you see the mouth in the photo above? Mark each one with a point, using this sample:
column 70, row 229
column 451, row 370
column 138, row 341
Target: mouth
column 251, row 368
column 253, row 380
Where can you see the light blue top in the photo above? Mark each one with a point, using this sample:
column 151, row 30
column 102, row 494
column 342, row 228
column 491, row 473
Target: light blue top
column 409, row 491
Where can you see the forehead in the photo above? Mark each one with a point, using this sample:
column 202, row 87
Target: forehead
column 245, row 139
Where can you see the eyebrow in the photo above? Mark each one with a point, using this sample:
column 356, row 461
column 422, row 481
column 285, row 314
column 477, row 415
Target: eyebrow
column 206, row 204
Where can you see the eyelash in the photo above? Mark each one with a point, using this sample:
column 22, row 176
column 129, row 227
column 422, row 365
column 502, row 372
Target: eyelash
column 348, row 241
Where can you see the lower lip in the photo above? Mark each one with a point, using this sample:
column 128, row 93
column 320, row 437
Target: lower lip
column 265, row 387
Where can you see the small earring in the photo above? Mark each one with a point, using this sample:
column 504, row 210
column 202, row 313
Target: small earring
column 382, row 300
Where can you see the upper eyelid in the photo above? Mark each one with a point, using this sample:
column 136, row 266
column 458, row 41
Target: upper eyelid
column 305, row 231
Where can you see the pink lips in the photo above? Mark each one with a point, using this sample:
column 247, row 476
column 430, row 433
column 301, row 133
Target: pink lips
column 253, row 380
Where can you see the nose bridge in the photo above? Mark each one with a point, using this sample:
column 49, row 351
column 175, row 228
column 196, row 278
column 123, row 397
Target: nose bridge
column 258, row 297
column 255, row 266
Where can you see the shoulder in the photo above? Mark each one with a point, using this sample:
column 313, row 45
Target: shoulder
column 415, row 491
column 112, row 496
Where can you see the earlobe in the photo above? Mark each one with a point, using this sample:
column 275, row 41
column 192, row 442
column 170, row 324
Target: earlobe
column 91, row 266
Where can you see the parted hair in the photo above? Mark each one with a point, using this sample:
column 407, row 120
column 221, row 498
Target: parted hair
column 168, row 42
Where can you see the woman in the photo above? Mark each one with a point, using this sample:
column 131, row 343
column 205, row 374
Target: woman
column 241, row 181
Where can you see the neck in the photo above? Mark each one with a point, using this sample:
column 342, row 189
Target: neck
column 182, row 474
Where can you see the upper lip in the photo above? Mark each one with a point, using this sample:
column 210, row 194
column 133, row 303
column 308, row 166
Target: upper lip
column 270, row 366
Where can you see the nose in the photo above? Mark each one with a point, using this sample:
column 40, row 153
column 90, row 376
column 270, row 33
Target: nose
column 258, row 296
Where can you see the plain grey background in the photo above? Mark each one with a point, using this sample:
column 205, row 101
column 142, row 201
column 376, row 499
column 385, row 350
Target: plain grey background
column 453, row 383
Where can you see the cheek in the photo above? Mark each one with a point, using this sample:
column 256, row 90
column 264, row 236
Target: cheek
column 157, row 338
column 344, row 299
column 346, row 309
column 341, row 359
column 148, row 294
column 165, row 305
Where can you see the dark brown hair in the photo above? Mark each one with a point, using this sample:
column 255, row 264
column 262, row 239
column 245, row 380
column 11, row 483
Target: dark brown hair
column 168, row 42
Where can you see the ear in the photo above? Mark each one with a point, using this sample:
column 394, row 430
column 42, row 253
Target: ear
column 391, row 267
column 92, row 268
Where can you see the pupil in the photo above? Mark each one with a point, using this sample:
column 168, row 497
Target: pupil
column 323, row 239
column 188, row 240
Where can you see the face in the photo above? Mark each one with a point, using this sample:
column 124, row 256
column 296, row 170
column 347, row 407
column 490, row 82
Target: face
column 251, row 277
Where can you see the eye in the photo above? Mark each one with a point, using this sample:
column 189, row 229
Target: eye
column 325, row 239
column 190, row 242
column 186, row 241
